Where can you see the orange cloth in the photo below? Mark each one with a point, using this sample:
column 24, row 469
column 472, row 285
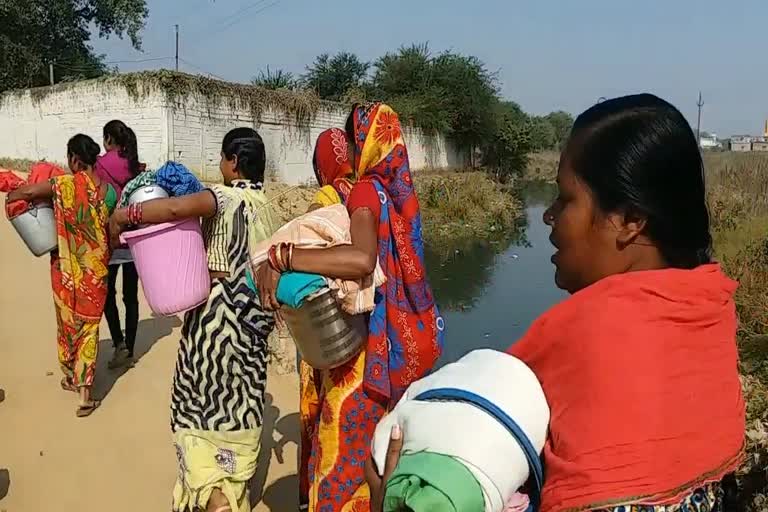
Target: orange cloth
column 9, row 181
column 640, row 372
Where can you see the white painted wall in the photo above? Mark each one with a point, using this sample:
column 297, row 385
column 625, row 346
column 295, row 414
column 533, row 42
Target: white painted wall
column 37, row 126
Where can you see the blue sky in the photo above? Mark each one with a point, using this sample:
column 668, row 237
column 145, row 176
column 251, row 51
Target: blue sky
column 549, row 55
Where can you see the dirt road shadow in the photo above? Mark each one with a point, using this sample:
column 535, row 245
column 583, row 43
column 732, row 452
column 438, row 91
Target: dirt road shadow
column 5, row 483
column 149, row 331
column 282, row 495
column 276, row 433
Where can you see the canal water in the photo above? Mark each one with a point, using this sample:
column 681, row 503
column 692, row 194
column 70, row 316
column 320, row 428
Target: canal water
column 489, row 292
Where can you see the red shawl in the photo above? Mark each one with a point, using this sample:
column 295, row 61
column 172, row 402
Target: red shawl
column 640, row 372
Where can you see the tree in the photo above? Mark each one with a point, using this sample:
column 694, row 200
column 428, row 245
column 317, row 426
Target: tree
column 542, row 134
column 450, row 93
column 505, row 152
column 405, row 80
column 333, row 77
column 561, row 122
column 278, row 79
column 34, row 33
column 472, row 95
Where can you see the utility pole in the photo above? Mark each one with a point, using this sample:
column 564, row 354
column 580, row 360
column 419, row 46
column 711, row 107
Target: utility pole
column 699, row 104
column 177, row 47
column 50, row 71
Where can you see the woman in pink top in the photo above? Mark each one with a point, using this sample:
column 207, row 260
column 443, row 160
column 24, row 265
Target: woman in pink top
column 117, row 166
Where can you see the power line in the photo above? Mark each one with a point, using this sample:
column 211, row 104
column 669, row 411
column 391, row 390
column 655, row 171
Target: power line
column 236, row 14
column 155, row 59
column 238, row 20
column 201, row 70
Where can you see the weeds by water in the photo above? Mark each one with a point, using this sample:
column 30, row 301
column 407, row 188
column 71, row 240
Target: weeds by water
column 460, row 206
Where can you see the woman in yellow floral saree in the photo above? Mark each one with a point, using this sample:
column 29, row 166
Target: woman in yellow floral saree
column 82, row 205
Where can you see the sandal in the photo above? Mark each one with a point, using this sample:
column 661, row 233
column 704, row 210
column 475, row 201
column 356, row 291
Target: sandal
column 67, row 385
column 87, row 409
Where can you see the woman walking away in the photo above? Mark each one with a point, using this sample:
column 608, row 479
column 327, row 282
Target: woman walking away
column 217, row 400
column 119, row 165
column 405, row 328
column 82, row 204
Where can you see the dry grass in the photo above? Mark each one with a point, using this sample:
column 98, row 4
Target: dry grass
column 461, row 205
column 455, row 206
column 542, row 166
column 737, row 186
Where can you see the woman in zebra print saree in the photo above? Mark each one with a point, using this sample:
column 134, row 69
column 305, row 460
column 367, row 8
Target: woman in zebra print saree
column 218, row 387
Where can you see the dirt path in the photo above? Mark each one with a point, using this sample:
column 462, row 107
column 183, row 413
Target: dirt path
column 120, row 458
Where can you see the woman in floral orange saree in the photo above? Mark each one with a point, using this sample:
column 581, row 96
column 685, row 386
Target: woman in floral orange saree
column 82, row 204
column 340, row 411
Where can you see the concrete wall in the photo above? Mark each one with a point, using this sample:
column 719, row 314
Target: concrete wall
column 36, row 125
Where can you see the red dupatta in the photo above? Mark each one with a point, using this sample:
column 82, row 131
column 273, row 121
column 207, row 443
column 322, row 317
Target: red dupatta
column 331, row 162
column 640, row 372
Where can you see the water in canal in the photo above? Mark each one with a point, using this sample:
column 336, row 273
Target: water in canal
column 490, row 292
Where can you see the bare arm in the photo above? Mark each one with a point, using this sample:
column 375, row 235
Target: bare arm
column 30, row 193
column 354, row 261
column 157, row 211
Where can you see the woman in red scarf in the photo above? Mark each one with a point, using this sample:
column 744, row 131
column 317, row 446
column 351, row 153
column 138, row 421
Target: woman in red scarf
column 405, row 328
column 333, row 168
column 639, row 365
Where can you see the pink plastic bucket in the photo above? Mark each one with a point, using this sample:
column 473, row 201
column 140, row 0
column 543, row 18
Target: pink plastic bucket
column 172, row 264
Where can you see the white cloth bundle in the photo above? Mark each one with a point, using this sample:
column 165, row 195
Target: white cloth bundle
column 467, row 433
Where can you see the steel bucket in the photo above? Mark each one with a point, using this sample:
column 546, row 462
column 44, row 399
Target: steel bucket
column 37, row 227
column 147, row 193
column 325, row 336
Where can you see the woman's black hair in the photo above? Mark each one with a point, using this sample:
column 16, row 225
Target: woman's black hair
column 119, row 134
column 639, row 156
column 84, row 148
column 246, row 144
column 349, row 126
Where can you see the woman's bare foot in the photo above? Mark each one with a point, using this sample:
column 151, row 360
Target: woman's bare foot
column 87, row 405
column 67, row 385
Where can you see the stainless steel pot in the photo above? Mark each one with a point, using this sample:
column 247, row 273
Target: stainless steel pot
column 325, row 336
column 147, row 193
column 37, row 227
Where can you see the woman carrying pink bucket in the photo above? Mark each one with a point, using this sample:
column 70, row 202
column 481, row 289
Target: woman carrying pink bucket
column 218, row 387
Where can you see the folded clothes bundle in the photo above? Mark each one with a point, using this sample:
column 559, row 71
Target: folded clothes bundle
column 326, row 227
column 177, row 180
column 470, row 430
column 294, row 287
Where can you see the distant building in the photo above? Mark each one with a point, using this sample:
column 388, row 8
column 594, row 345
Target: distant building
column 760, row 144
column 709, row 141
column 741, row 143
